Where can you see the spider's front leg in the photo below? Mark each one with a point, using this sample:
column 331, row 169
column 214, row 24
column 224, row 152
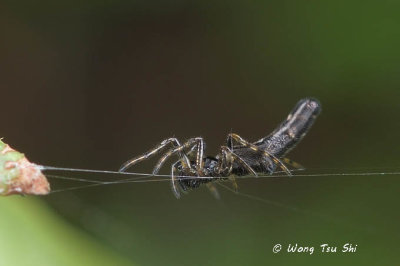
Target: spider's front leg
column 174, row 141
column 191, row 143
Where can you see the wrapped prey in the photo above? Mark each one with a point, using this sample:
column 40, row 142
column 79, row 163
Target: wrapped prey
column 18, row 175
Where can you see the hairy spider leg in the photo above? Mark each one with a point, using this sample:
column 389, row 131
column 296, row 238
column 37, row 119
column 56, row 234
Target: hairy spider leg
column 245, row 143
column 153, row 151
column 193, row 141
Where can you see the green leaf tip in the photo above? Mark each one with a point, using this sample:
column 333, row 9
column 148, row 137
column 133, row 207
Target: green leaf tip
column 18, row 175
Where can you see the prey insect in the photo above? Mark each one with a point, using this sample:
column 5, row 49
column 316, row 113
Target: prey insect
column 238, row 157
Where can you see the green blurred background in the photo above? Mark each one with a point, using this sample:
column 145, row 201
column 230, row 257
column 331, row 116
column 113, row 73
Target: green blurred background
column 89, row 84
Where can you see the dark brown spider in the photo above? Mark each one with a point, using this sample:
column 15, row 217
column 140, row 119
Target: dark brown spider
column 239, row 157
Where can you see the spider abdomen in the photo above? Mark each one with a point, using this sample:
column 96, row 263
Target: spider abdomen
column 293, row 129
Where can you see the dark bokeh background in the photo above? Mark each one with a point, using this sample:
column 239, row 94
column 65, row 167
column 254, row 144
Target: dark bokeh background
column 91, row 84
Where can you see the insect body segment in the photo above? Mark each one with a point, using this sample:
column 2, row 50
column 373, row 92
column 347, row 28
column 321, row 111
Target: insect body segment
column 239, row 157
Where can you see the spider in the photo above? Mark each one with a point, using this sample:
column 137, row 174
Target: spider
column 238, row 157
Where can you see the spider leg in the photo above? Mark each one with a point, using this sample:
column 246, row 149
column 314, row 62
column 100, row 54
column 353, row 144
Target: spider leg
column 214, row 191
column 231, row 144
column 174, row 141
column 292, row 163
column 191, row 151
column 193, row 141
column 199, row 156
column 245, row 143
column 174, row 181
column 234, row 183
